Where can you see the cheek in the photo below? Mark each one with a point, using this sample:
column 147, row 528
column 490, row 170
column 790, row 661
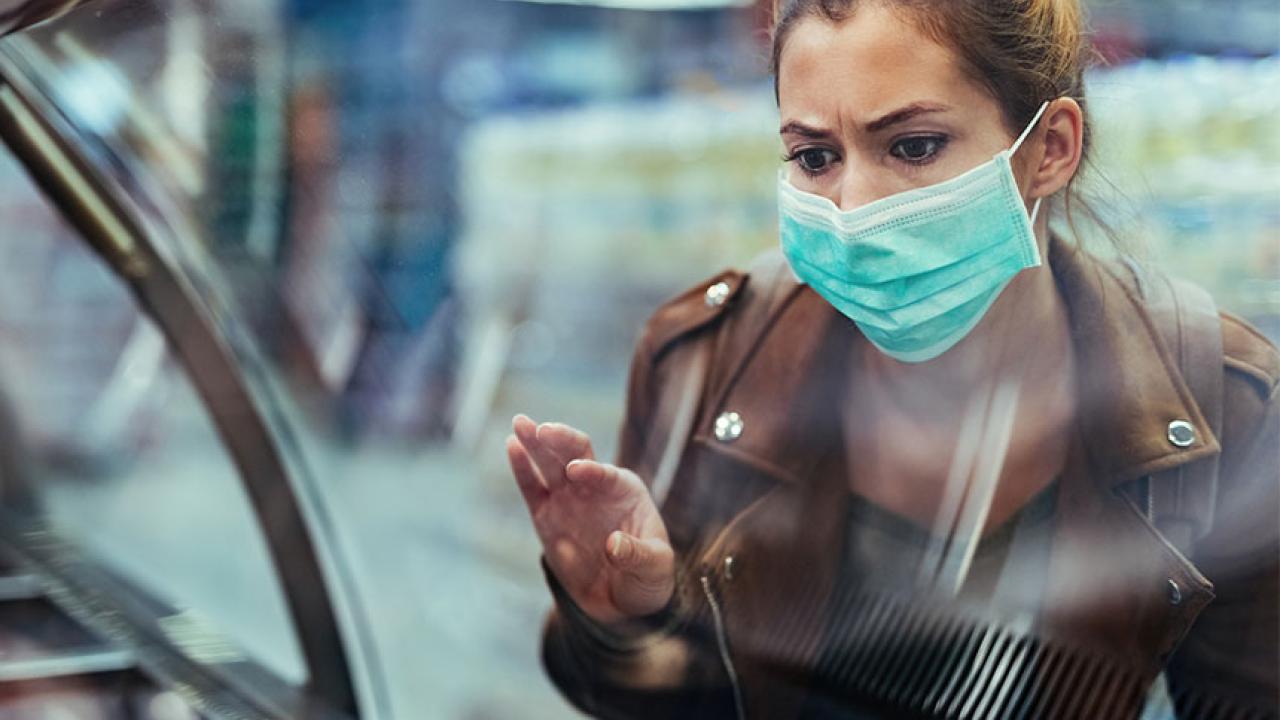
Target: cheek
column 950, row 165
column 958, row 157
column 857, row 180
column 826, row 185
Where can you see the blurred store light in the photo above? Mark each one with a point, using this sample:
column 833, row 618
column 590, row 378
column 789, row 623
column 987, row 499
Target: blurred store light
column 98, row 94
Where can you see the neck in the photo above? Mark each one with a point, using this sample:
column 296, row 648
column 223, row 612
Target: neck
column 910, row 418
column 1024, row 338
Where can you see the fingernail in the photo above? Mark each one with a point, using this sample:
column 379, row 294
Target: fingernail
column 615, row 545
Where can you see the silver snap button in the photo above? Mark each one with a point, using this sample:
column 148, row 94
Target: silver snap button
column 1182, row 433
column 717, row 294
column 728, row 567
column 729, row 427
column 1175, row 593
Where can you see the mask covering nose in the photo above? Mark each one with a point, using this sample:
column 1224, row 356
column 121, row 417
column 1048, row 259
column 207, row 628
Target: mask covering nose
column 915, row 271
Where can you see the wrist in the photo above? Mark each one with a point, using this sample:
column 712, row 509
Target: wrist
column 624, row 634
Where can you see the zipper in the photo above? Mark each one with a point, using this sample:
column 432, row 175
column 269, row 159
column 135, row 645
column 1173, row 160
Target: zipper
column 722, row 641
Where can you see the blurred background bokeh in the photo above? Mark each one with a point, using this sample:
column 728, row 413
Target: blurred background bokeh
column 418, row 217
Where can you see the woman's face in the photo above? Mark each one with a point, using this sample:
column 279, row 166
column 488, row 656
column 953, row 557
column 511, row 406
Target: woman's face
column 872, row 106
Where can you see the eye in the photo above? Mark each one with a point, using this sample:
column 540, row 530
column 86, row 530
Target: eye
column 919, row 149
column 813, row 160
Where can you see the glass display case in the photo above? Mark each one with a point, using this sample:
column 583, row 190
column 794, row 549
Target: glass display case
column 162, row 538
column 274, row 276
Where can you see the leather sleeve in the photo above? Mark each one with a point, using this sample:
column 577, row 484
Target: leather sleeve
column 659, row 667
column 1231, row 656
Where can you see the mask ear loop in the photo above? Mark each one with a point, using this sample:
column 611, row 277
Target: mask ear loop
column 1032, row 126
column 1035, row 208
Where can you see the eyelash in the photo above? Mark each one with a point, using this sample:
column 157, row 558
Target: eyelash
column 939, row 144
column 794, row 157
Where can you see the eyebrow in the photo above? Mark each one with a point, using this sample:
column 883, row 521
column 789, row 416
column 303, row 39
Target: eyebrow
column 896, row 117
column 798, row 128
column 904, row 114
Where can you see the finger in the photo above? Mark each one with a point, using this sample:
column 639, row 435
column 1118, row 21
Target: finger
column 566, row 442
column 524, row 427
column 628, row 552
column 648, row 563
column 549, row 466
column 527, row 479
column 590, row 476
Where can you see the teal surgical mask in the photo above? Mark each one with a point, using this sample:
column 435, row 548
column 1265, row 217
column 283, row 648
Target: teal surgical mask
column 915, row 271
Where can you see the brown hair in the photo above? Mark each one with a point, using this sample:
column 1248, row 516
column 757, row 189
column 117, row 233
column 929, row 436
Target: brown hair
column 1023, row 52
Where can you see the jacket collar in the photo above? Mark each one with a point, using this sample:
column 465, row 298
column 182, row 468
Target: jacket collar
column 1130, row 389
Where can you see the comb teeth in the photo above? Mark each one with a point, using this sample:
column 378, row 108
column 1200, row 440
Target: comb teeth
column 910, row 660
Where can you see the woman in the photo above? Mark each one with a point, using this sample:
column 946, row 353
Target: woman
column 940, row 419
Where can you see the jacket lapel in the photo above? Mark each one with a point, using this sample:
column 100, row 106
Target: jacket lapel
column 1116, row 584
column 774, row 565
column 1116, row 587
column 779, row 388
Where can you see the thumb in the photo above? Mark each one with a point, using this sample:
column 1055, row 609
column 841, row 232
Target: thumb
column 648, row 560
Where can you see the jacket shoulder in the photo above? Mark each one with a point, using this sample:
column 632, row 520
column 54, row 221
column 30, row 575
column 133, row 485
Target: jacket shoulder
column 697, row 307
column 766, row 280
column 1249, row 355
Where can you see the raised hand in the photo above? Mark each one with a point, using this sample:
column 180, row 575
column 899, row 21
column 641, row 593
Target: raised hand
column 601, row 534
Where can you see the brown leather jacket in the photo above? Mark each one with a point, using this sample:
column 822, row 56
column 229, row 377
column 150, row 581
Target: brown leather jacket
column 754, row 527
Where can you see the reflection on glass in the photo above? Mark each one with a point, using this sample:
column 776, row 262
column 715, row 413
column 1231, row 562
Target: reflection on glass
column 123, row 458
column 430, row 216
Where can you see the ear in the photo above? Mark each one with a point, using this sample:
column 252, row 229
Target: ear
column 1060, row 138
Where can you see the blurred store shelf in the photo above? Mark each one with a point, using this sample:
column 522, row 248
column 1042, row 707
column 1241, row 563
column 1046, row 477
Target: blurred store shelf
column 1207, row 27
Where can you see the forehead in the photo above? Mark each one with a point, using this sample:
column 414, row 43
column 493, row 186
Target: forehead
column 872, row 63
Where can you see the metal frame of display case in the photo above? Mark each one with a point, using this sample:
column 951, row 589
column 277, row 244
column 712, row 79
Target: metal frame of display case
column 18, row 14
column 117, row 231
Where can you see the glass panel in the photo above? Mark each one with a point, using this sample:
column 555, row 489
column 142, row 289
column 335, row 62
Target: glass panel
column 122, row 456
column 432, row 216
